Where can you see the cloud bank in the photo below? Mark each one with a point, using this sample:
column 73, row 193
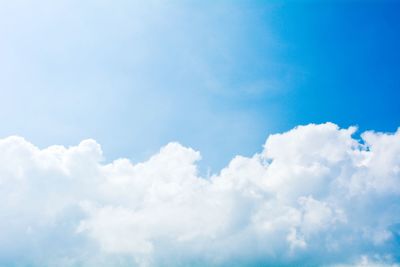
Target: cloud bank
column 314, row 196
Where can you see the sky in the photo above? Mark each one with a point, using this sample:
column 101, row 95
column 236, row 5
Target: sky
column 114, row 114
column 137, row 75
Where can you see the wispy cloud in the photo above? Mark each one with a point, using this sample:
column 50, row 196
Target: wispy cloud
column 150, row 71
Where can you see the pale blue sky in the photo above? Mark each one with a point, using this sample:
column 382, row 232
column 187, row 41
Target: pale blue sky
column 218, row 77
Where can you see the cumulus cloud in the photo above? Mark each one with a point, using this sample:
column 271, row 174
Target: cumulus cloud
column 314, row 196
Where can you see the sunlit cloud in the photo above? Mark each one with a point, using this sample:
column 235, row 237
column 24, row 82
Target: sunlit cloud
column 315, row 195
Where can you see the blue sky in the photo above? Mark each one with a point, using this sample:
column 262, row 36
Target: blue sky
column 107, row 107
column 135, row 76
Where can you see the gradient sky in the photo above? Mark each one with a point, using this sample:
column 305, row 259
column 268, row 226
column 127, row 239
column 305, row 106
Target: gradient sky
column 134, row 91
column 216, row 76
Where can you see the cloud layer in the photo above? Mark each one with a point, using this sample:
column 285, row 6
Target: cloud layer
column 315, row 196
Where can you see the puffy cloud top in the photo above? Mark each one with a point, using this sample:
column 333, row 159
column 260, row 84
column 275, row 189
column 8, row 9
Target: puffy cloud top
column 315, row 196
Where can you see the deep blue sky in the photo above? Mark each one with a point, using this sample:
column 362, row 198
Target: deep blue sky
column 350, row 54
column 218, row 77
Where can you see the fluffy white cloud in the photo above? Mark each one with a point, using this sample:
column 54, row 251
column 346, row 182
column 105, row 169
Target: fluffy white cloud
column 314, row 196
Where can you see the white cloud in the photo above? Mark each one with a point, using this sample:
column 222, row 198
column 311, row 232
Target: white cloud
column 315, row 196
